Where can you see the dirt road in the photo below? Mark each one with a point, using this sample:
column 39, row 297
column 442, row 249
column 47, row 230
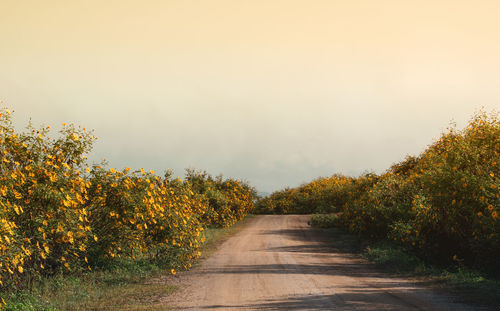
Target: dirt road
column 279, row 263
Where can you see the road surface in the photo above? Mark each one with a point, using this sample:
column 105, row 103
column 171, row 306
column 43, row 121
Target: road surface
column 278, row 262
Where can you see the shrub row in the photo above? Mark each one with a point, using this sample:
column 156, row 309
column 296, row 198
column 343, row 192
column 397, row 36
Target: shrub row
column 443, row 204
column 58, row 213
column 228, row 200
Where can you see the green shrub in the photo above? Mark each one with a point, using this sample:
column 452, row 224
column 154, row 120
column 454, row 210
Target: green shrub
column 324, row 220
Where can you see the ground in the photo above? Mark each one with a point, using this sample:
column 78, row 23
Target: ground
column 277, row 262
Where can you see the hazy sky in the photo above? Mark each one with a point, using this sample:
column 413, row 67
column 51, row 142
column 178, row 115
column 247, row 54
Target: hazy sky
column 273, row 92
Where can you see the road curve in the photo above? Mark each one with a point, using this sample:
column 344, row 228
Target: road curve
column 279, row 263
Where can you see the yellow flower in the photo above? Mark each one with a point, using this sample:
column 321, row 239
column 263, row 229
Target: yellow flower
column 173, row 271
column 20, row 269
column 17, row 195
column 70, row 237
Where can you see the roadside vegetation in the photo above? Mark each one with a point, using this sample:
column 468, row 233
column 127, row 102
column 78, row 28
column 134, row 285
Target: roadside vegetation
column 69, row 226
column 439, row 209
column 472, row 286
column 138, row 285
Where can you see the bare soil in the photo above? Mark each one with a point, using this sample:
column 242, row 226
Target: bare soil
column 280, row 263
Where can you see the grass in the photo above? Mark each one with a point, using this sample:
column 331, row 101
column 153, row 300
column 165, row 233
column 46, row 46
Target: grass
column 126, row 285
column 467, row 285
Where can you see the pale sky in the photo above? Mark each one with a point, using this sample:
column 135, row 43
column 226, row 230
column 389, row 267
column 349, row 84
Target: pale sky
column 273, row 92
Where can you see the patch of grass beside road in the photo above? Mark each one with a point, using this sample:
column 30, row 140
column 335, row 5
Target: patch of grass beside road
column 123, row 286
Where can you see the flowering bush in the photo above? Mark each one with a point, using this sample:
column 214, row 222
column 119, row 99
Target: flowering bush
column 323, row 195
column 59, row 214
column 43, row 189
column 443, row 204
column 228, row 200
